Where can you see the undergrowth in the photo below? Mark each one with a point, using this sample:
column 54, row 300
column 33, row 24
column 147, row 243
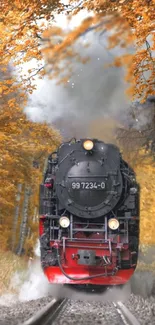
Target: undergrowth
column 9, row 264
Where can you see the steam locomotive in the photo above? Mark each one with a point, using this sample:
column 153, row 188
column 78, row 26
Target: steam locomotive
column 89, row 215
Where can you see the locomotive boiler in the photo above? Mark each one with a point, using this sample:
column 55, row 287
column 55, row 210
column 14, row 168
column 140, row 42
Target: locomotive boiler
column 89, row 215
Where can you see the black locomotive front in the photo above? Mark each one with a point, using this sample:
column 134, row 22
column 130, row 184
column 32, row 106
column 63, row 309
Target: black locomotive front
column 90, row 196
column 91, row 183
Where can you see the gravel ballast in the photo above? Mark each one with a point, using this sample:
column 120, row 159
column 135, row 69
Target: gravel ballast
column 81, row 312
column 19, row 312
column 142, row 308
column 88, row 313
column 13, row 312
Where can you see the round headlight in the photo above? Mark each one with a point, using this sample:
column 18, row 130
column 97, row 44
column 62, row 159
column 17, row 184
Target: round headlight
column 113, row 224
column 64, row 222
column 88, row 145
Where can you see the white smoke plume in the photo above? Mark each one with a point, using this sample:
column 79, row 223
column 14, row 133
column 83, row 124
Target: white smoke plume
column 35, row 284
column 92, row 92
column 30, row 284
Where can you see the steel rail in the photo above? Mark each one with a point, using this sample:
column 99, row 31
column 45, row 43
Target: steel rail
column 48, row 314
column 126, row 315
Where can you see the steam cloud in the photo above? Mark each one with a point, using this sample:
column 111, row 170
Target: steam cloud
column 93, row 92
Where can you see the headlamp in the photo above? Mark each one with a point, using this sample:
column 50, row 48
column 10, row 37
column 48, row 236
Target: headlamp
column 88, row 144
column 64, row 222
column 113, row 224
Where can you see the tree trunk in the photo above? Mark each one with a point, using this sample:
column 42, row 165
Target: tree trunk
column 16, row 215
column 23, row 227
column 35, row 215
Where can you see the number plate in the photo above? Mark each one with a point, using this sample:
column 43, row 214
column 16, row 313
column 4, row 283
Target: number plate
column 88, row 185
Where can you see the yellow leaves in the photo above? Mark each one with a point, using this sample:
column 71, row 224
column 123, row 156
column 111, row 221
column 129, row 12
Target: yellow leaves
column 11, row 102
column 3, row 88
column 144, row 167
column 131, row 22
column 67, row 40
column 52, row 32
column 130, row 91
column 18, row 30
column 146, row 177
column 9, row 81
column 126, row 59
column 21, row 142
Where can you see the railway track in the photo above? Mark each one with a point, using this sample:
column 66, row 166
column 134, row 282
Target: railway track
column 48, row 314
column 71, row 312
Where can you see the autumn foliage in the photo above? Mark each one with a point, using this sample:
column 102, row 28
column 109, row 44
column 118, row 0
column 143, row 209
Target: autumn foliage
column 132, row 24
column 22, row 142
column 27, row 32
